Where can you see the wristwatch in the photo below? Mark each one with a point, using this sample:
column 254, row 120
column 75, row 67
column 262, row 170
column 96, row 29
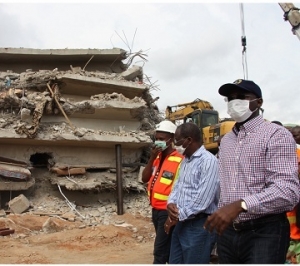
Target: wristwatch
column 244, row 206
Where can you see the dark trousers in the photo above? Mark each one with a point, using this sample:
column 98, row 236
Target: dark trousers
column 261, row 241
column 162, row 241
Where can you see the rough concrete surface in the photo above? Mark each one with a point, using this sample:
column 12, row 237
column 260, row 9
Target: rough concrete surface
column 69, row 111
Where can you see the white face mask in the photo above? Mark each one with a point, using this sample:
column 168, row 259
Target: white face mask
column 239, row 109
column 180, row 149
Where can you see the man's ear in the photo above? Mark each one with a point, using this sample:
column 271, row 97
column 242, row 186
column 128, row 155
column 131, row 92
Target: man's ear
column 260, row 102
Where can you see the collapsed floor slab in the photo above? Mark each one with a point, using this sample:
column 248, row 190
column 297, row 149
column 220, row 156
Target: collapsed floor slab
column 62, row 110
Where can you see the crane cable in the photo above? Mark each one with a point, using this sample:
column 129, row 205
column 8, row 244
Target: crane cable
column 244, row 43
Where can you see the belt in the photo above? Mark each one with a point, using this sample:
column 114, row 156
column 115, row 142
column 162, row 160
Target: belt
column 197, row 216
column 256, row 223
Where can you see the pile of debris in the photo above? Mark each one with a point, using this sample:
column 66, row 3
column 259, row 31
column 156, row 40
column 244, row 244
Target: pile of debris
column 65, row 111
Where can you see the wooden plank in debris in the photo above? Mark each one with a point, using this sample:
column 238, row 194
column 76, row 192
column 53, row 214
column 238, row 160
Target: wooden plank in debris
column 14, row 172
column 59, row 106
column 70, row 171
column 7, row 232
column 46, row 214
column 12, row 161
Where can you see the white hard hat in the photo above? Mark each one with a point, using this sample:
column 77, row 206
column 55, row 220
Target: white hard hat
column 166, row 126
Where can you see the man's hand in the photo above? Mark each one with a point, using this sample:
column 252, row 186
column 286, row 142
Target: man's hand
column 147, row 172
column 154, row 152
column 169, row 224
column 223, row 217
column 173, row 211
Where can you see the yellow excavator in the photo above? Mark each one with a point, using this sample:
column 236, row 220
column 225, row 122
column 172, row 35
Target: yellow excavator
column 203, row 114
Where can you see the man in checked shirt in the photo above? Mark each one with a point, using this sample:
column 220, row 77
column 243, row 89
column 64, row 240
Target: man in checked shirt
column 258, row 173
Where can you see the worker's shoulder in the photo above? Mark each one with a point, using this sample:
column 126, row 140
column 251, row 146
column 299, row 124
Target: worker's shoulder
column 274, row 134
column 274, row 129
column 207, row 155
column 177, row 154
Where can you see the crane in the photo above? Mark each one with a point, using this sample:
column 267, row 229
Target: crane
column 292, row 14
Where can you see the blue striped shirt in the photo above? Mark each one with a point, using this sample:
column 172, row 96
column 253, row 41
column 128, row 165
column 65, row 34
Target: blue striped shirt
column 197, row 186
column 259, row 165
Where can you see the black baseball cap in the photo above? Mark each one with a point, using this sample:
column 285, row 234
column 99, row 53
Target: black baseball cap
column 247, row 85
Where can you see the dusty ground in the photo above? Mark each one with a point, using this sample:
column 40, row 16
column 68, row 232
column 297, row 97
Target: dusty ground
column 128, row 241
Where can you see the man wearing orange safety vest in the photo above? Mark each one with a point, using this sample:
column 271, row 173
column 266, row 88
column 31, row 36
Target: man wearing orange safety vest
column 293, row 255
column 160, row 173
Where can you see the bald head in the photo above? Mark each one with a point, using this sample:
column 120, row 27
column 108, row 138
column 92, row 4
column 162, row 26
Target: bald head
column 190, row 130
column 296, row 134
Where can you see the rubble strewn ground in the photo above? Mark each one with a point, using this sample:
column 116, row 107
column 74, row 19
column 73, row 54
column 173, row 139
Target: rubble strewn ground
column 50, row 231
column 128, row 240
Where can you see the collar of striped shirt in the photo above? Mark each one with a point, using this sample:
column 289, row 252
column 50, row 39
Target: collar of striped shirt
column 197, row 153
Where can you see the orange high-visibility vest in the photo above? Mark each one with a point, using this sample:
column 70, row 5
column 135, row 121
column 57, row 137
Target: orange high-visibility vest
column 298, row 155
column 295, row 231
column 162, row 180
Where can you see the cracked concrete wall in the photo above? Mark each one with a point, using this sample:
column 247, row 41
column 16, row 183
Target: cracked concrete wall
column 62, row 156
column 72, row 115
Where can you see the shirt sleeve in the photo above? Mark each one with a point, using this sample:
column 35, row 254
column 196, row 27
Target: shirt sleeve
column 281, row 192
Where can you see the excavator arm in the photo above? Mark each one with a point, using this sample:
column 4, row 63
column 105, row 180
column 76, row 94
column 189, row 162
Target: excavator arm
column 181, row 111
column 292, row 14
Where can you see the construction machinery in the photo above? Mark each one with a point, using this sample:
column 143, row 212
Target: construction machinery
column 292, row 14
column 203, row 114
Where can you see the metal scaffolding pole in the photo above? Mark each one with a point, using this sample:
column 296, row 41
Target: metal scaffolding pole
column 118, row 149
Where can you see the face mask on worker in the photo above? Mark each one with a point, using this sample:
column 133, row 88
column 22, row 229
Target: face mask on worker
column 239, row 109
column 162, row 144
column 181, row 149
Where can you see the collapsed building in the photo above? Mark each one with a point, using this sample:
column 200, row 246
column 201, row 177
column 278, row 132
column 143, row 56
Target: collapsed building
column 65, row 111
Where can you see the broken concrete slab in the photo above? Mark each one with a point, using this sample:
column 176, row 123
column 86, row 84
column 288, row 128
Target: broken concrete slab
column 133, row 73
column 19, row 59
column 84, row 85
column 70, row 109
column 51, row 226
column 2, row 213
column 103, row 180
column 6, row 185
column 14, row 172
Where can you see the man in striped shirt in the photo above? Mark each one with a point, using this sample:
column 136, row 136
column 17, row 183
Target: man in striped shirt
column 193, row 198
column 259, row 182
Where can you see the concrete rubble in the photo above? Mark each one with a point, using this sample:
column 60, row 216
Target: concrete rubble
column 19, row 204
column 91, row 210
column 64, row 111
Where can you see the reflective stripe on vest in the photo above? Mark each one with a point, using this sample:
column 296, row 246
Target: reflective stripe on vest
column 160, row 196
column 292, row 219
column 174, row 159
column 165, row 181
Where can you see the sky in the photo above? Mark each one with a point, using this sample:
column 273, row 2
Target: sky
column 192, row 48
